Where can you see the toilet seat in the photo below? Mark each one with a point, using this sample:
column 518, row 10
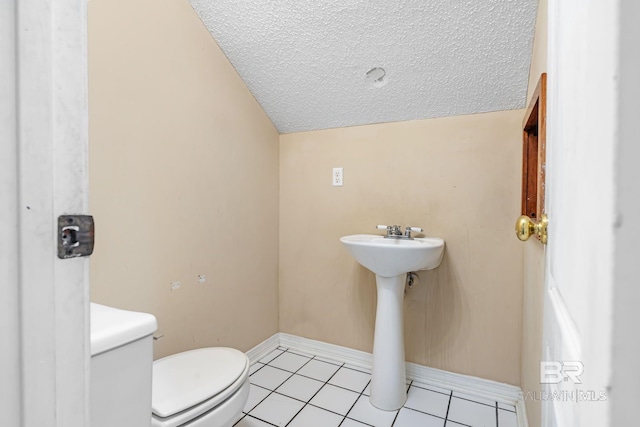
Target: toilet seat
column 187, row 385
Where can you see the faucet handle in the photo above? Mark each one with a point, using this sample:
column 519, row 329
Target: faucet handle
column 409, row 229
column 389, row 229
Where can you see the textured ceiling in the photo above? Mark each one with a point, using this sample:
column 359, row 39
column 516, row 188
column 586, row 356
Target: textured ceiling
column 306, row 61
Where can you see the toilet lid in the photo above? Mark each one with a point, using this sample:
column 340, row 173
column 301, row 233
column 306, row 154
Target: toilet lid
column 186, row 379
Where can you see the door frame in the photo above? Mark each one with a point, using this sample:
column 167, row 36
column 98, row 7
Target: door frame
column 44, row 309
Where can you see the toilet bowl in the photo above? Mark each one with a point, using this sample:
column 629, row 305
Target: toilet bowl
column 207, row 387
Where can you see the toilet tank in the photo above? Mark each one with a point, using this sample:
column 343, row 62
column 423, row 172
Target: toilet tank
column 121, row 364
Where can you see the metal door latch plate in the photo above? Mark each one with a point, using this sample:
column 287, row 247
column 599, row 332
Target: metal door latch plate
column 76, row 235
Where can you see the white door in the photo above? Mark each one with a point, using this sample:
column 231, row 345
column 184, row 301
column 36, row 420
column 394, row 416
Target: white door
column 44, row 304
column 581, row 142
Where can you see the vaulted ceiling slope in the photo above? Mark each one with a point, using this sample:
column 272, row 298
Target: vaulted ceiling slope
column 306, row 62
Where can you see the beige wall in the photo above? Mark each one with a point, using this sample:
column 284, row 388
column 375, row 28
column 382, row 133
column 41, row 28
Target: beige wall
column 539, row 54
column 534, row 256
column 457, row 177
column 184, row 179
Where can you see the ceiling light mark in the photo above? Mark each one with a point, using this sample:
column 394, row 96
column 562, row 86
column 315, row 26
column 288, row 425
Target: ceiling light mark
column 377, row 77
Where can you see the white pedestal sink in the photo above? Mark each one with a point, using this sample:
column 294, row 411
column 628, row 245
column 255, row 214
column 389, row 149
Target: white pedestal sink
column 390, row 259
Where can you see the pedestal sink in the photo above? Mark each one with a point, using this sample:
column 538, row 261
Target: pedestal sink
column 390, row 259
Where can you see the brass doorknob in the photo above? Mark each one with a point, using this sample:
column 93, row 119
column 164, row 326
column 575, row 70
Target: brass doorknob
column 525, row 228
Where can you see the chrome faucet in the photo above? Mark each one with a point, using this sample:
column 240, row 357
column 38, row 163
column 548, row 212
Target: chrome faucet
column 395, row 231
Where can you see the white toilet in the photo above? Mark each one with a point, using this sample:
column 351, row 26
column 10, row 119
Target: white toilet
column 199, row 388
column 207, row 387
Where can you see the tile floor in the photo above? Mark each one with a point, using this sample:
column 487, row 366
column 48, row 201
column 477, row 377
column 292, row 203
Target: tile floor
column 296, row 390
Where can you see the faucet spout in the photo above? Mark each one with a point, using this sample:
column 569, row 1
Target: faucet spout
column 395, row 231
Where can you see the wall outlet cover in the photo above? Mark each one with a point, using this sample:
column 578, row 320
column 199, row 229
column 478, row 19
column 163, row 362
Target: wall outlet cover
column 337, row 177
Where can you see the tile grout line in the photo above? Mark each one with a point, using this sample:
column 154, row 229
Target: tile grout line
column 291, row 376
column 398, row 413
column 325, row 383
column 396, row 417
column 425, row 413
column 315, row 379
column 446, row 416
column 429, row 413
column 475, row 401
column 256, row 418
column 314, row 394
column 424, row 387
column 344, row 417
column 354, row 404
column 357, row 370
column 468, row 400
column 262, row 400
column 311, row 378
column 248, row 414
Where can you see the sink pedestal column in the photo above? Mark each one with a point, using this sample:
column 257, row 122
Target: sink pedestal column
column 388, row 378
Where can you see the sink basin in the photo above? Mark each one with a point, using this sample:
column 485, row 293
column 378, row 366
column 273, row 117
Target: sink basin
column 391, row 257
column 390, row 260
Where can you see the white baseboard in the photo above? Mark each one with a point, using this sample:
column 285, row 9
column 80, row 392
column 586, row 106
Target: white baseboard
column 264, row 348
column 521, row 412
column 492, row 390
